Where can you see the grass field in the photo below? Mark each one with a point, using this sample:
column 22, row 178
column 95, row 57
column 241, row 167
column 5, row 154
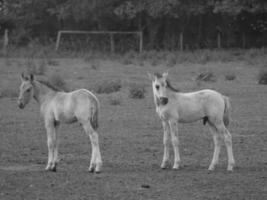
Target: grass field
column 131, row 133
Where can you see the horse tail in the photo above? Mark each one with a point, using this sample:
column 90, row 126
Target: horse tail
column 226, row 114
column 94, row 115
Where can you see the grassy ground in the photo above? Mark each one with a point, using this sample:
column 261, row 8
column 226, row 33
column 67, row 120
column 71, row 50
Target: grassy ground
column 130, row 131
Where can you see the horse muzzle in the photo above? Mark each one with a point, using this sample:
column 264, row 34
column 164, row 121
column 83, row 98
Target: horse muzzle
column 163, row 100
column 21, row 105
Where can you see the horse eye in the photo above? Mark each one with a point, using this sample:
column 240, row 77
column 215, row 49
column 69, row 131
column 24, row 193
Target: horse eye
column 28, row 90
column 157, row 87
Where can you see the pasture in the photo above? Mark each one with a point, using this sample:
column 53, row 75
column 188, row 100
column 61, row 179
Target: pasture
column 130, row 132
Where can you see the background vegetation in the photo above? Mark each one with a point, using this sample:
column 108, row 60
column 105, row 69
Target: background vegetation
column 239, row 23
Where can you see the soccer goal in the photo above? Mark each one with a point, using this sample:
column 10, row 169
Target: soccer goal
column 111, row 34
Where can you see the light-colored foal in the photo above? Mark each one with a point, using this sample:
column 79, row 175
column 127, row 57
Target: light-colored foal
column 174, row 107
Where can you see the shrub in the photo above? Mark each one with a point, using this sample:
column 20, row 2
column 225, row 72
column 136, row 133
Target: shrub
column 137, row 92
column 230, row 76
column 52, row 62
column 262, row 77
column 107, row 87
column 127, row 61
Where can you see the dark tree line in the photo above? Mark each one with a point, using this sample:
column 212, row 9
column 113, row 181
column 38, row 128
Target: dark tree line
column 166, row 24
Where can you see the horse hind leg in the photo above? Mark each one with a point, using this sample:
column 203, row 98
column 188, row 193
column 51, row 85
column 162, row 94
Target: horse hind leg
column 96, row 161
column 217, row 139
column 222, row 130
column 229, row 149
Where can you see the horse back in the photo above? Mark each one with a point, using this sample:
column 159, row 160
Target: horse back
column 78, row 105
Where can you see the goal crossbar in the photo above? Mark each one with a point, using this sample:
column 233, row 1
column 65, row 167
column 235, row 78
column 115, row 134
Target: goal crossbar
column 111, row 33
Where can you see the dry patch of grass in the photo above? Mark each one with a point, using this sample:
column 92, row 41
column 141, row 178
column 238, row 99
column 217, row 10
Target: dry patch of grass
column 56, row 80
column 115, row 100
column 206, row 76
column 37, row 67
column 107, row 86
column 137, row 91
column 262, row 77
column 8, row 93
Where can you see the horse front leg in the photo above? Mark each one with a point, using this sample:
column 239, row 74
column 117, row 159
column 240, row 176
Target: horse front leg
column 175, row 143
column 51, row 143
column 166, row 154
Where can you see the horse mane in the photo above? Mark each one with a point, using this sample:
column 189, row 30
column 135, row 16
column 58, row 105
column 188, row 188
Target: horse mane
column 51, row 86
column 169, row 86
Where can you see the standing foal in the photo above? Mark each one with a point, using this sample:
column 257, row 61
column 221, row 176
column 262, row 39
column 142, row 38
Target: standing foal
column 68, row 107
column 174, row 107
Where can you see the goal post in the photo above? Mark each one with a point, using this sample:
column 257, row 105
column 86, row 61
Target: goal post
column 111, row 34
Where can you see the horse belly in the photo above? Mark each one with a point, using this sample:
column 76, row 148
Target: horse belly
column 191, row 114
column 65, row 113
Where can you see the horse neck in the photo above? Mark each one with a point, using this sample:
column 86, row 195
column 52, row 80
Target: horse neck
column 172, row 94
column 42, row 93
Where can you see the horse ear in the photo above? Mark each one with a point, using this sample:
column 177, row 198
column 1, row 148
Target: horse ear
column 165, row 74
column 150, row 76
column 31, row 77
column 22, row 77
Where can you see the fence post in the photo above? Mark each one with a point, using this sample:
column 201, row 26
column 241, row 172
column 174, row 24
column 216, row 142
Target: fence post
column 243, row 40
column 58, row 39
column 5, row 44
column 219, row 40
column 141, row 42
column 112, row 44
column 181, row 41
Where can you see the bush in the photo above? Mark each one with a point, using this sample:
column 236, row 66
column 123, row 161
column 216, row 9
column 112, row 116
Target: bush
column 230, row 77
column 262, row 77
column 137, row 92
column 107, row 87
column 52, row 62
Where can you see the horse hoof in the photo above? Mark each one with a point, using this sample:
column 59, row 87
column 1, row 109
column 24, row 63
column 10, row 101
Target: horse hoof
column 164, row 166
column 91, row 169
column 53, row 169
column 230, row 169
column 211, row 168
column 176, row 167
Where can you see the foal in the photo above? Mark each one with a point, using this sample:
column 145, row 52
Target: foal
column 174, row 107
column 63, row 107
